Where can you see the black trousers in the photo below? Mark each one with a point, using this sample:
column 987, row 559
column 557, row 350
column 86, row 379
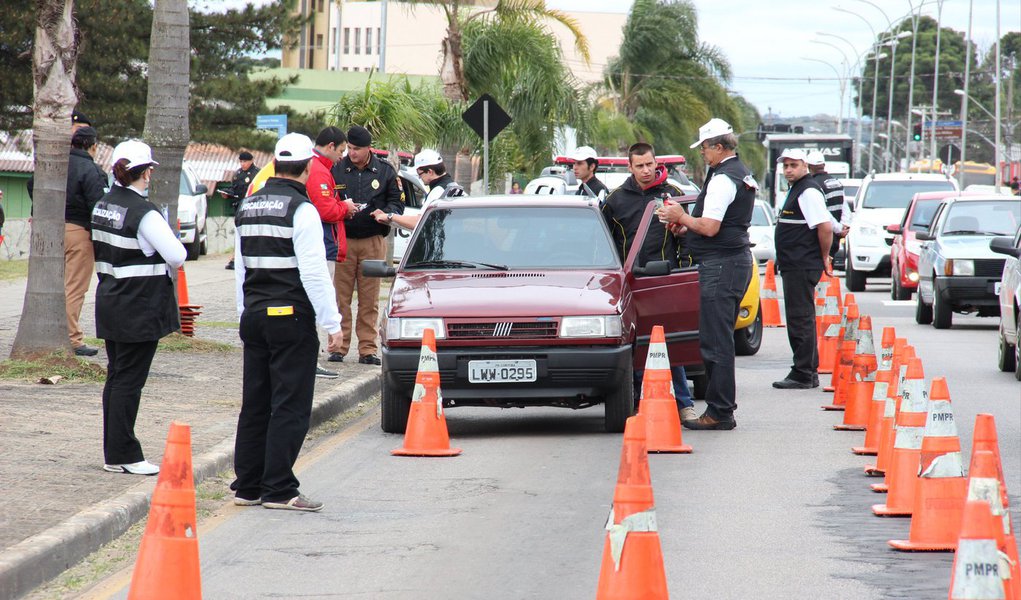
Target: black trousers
column 126, row 372
column 799, row 308
column 279, row 381
column 722, row 283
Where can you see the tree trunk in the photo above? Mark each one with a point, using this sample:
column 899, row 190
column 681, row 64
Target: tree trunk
column 166, row 115
column 451, row 71
column 43, row 325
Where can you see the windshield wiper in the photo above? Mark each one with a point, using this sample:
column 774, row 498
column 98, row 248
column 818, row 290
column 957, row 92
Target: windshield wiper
column 458, row 264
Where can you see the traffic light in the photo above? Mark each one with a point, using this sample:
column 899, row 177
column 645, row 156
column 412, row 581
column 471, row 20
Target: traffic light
column 917, row 135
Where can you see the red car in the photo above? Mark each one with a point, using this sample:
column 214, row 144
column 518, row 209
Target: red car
column 531, row 306
column 904, row 252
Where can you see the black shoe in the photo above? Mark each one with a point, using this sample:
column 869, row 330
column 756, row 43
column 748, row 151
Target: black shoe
column 230, row 266
column 794, row 384
column 369, row 359
column 325, row 374
column 815, row 380
column 85, row 351
column 335, row 357
column 707, row 422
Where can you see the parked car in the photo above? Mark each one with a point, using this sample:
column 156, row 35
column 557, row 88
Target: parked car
column 880, row 202
column 905, row 249
column 531, row 306
column 957, row 270
column 761, row 232
column 192, row 206
column 1010, row 303
column 851, row 187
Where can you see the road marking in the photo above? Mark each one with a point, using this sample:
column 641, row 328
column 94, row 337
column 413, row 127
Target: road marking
column 898, row 302
column 119, row 581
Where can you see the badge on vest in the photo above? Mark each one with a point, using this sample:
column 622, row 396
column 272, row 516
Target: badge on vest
column 375, row 184
column 279, row 311
column 750, row 183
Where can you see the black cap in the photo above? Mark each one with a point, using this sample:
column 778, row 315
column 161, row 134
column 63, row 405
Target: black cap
column 84, row 133
column 359, row 136
column 245, row 155
column 79, row 118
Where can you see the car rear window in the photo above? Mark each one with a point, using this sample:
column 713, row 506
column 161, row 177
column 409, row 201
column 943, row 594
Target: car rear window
column 513, row 238
column 983, row 218
column 921, row 216
column 898, row 194
column 759, row 216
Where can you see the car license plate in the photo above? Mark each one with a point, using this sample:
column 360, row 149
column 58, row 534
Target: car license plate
column 501, row 371
column 996, row 287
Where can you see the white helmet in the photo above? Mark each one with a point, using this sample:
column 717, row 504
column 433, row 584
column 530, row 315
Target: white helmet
column 427, row 158
column 583, row 153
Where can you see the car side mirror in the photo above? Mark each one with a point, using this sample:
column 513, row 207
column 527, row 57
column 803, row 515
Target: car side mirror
column 895, row 228
column 923, row 236
column 201, row 189
column 1004, row 245
column 377, row 268
column 653, row 268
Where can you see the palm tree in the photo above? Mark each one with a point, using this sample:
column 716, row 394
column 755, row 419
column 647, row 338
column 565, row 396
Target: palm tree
column 664, row 82
column 455, row 85
column 166, row 114
column 43, row 325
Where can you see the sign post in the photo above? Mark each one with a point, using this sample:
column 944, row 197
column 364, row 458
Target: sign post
column 278, row 122
column 487, row 119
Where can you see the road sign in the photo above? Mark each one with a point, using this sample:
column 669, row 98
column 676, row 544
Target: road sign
column 944, row 130
column 277, row 122
column 949, row 154
column 474, row 117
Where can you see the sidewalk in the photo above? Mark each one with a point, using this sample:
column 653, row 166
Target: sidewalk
column 59, row 505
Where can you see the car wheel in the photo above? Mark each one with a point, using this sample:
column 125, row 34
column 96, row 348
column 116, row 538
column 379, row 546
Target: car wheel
column 1007, row 360
column 700, row 384
column 923, row 312
column 1017, row 361
column 193, row 249
column 620, row 404
column 855, row 279
column 394, row 409
column 204, row 246
column 942, row 315
column 748, row 339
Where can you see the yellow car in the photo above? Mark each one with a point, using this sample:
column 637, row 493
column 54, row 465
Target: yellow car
column 748, row 328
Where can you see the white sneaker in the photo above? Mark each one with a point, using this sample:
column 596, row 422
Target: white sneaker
column 143, row 467
column 688, row 413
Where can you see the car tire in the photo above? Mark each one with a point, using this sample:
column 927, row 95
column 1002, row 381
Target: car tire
column 1017, row 361
column 855, row 279
column 193, row 249
column 942, row 315
column 923, row 312
column 394, row 409
column 748, row 340
column 897, row 291
column 204, row 245
column 620, row 404
column 699, row 386
column 1006, row 358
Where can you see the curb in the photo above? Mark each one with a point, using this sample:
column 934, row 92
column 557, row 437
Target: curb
column 42, row 557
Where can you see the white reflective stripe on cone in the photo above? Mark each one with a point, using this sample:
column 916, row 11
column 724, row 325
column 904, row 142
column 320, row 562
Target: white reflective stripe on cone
column 914, row 397
column 977, row 571
column 657, row 357
column 945, row 465
column 644, row 521
column 909, row 438
column 940, row 420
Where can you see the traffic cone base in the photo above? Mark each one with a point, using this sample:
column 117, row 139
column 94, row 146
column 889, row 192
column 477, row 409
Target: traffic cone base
column 864, row 450
column 640, row 573
column 936, row 518
column 875, row 471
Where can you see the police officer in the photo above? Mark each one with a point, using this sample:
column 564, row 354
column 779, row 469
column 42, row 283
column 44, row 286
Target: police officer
column 804, row 236
column 284, row 290
column 136, row 255
column 373, row 185
column 585, row 165
column 716, row 233
column 833, row 193
column 431, row 170
column 239, row 185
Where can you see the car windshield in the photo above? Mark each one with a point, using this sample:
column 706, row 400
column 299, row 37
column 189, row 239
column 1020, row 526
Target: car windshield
column 759, row 216
column 921, row 217
column 898, row 194
column 185, row 188
column 850, row 191
column 983, row 218
column 520, row 237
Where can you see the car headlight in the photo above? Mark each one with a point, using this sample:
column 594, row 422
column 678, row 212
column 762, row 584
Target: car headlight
column 959, row 267
column 594, row 327
column 412, row 329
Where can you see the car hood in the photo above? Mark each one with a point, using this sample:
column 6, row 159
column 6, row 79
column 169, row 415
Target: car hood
column 967, row 246
column 506, row 294
column 880, row 217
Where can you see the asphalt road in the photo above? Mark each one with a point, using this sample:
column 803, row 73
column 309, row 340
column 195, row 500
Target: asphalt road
column 777, row 508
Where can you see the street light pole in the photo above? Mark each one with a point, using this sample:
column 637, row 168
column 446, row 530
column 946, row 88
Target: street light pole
column 964, row 96
column 842, row 82
column 935, row 84
column 999, row 77
column 915, row 18
column 877, row 56
column 889, row 106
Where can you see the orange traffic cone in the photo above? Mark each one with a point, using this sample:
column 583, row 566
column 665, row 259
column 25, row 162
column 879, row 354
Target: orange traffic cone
column 941, row 487
column 907, row 446
column 769, row 304
column 426, row 434
column 890, row 409
column 168, row 558
column 632, row 564
column 983, row 484
column 984, row 438
column 845, row 359
column 977, row 573
column 830, row 330
column 843, row 335
column 862, row 380
column 658, row 405
column 188, row 311
column 883, row 378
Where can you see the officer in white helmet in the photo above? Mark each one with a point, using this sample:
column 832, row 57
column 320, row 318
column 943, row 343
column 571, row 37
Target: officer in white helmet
column 432, row 171
column 585, row 165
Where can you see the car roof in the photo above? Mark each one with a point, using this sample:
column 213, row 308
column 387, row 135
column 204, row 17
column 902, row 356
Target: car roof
column 519, row 200
column 940, row 195
column 983, row 198
column 909, row 177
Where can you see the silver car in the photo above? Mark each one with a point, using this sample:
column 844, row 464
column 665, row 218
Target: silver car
column 957, row 270
column 1010, row 301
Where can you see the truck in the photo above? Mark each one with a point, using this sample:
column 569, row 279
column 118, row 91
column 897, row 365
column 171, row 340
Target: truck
column 837, row 148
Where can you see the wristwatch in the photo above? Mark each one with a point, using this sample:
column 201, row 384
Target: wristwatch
column 389, row 217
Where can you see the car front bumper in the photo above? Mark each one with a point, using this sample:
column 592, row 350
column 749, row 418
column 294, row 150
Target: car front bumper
column 188, row 232
column 561, row 372
column 963, row 292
